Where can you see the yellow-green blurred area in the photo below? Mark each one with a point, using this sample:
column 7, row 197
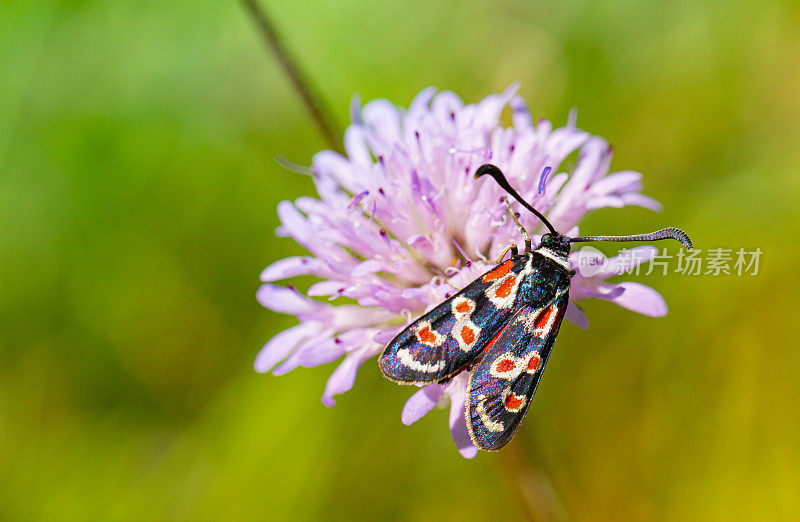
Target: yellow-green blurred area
column 138, row 187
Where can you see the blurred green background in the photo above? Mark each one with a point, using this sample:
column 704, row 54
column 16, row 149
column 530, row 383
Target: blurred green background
column 138, row 188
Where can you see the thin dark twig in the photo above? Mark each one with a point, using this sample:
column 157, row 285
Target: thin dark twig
column 312, row 100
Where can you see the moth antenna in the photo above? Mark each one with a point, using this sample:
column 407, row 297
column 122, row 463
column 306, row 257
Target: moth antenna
column 665, row 233
column 501, row 180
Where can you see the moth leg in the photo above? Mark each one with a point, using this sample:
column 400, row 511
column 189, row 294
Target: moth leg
column 514, row 251
column 519, row 227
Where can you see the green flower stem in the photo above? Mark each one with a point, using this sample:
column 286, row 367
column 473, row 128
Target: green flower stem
column 316, row 106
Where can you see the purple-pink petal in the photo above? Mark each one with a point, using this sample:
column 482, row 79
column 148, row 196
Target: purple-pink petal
column 290, row 267
column 332, row 288
column 421, row 403
column 281, row 345
column 576, row 316
column 623, row 181
column 370, row 266
column 294, row 360
column 458, row 423
column 322, row 352
column 294, row 223
column 355, row 143
column 640, row 200
column 383, row 338
column 285, row 300
column 383, row 120
column 604, row 201
column 344, row 376
column 642, row 299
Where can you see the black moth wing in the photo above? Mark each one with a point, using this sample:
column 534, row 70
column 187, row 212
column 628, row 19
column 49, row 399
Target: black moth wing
column 451, row 336
column 502, row 385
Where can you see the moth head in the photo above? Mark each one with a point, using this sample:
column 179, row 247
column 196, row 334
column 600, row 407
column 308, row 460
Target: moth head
column 557, row 243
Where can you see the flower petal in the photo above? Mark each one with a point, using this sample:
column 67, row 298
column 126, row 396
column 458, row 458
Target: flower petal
column 383, row 119
column 294, row 223
column 576, row 316
column 322, row 352
column 331, row 348
column 333, row 166
column 421, row 403
column 344, row 376
column 368, row 267
column 641, row 299
column 282, row 345
column 355, row 143
column 326, row 288
column 420, row 105
column 623, row 181
column 385, row 336
column 520, row 115
column 285, row 300
column 640, row 200
column 604, row 201
column 457, row 389
column 290, row 267
column 321, row 334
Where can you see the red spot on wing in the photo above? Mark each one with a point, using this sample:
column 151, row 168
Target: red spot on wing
column 561, row 312
column 468, row 335
column 533, row 362
column 425, row 335
column 499, row 271
column 504, row 290
column 506, row 365
column 541, row 321
column 463, row 307
column 514, row 402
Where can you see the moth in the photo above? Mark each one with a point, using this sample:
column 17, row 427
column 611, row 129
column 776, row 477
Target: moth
column 501, row 328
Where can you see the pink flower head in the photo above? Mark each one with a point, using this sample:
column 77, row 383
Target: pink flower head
column 400, row 223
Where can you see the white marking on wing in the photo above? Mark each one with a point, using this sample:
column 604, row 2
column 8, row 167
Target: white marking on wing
column 405, row 357
column 491, row 425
